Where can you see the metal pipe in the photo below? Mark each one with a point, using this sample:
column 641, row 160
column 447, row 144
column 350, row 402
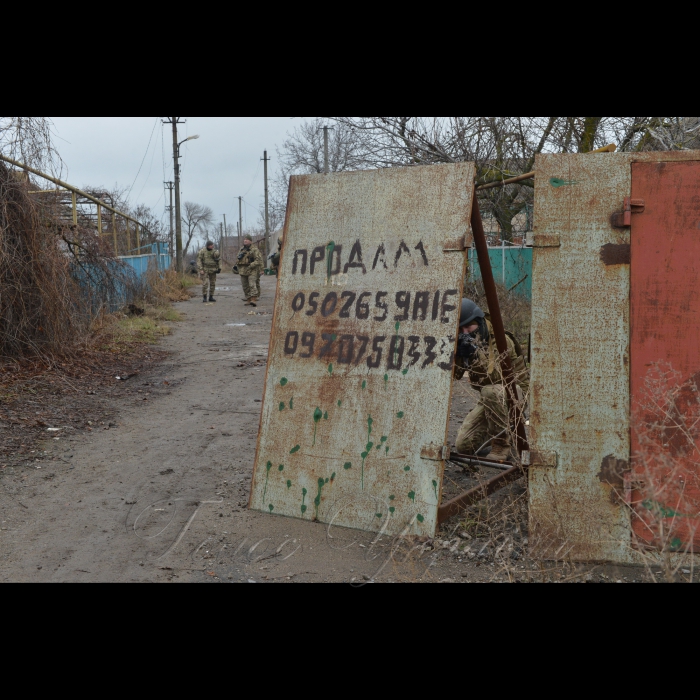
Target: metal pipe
column 471, row 462
column 459, row 504
column 99, row 219
column 529, row 176
column 482, row 250
column 65, row 185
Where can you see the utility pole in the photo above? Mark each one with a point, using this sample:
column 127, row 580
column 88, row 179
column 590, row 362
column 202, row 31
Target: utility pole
column 170, row 186
column 178, row 206
column 240, row 223
column 221, row 237
column 224, row 236
column 326, row 157
column 267, row 210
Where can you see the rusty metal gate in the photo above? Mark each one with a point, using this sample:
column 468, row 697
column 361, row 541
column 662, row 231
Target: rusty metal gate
column 665, row 375
column 615, row 467
column 357, row 398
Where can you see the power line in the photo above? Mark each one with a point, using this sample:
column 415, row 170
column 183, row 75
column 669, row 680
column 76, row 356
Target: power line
column 144, row 157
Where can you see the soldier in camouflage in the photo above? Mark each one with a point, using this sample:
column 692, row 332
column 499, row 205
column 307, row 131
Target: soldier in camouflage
column 489, row 423
column 250, row 266
column 209, row 266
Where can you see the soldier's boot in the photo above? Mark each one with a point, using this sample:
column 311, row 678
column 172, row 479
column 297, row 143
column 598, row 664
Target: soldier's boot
column 253, row 302
column 212, row 300
column 502, row 451
column 205, row 298
column 247, row 302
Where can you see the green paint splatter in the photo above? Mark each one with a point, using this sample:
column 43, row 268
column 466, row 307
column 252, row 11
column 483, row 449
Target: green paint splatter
column 379, row 516
column 340, row 404
column 420, row 519
column 435, row 488
column 556, row 182
column 289, row 485
column 330, row 370
column 272, row 508
column 392, row 510
column 284, row 382
column 267, row 479
column 318, row 415
column 281, row 468
column 412, row 496
column 407, row 469
column 325, row 416
column 333, row 475
column 295, row 450
column 405, row 372
column 364, row 385
column 400, row 415
column 368, row 449
column 392, row 498
column 386, row 382
column 304, row 507
column 330, row 248
column 282, row 407
column 317, row 500
column 291, row 405
column 348, row 466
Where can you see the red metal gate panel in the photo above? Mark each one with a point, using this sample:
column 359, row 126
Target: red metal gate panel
column 665, row 356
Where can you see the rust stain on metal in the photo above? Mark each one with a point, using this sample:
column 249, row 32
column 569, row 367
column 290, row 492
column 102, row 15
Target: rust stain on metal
column 616, row 254
column 613, row 470
column 459, row 244
column 364, row 334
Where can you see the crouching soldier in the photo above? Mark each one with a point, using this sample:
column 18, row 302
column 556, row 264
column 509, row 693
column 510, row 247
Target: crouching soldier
column 209, row 266
column 489, row 423
column 250, row 266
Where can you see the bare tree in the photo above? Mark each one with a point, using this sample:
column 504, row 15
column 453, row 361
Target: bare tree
column 501, row 147
column 303, row 153
column 28, row 140
column 197, row 219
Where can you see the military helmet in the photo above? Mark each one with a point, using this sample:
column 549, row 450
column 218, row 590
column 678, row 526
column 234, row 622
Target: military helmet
column 470, row 313
column 210, row 244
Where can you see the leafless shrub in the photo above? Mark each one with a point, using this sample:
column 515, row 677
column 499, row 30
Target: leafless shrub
column 662, row 489
column 54, row 278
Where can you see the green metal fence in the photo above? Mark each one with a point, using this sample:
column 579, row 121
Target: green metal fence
column 512, row 267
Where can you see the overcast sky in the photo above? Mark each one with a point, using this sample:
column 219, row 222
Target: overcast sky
column 223, row 164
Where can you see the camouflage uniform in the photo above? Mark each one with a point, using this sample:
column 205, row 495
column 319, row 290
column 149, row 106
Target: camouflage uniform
column 250, row 268
column 490, row 418
column 209, row 262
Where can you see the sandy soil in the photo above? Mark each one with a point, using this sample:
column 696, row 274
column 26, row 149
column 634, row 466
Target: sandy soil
column 158, row 490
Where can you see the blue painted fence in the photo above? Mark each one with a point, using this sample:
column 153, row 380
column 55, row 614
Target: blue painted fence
column 158, row 255
column 517, row 269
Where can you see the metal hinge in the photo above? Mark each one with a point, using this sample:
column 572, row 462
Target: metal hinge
column 623, row 219
column 456, row 245
column 435, row 453
column 548, row 241
column 534, row 458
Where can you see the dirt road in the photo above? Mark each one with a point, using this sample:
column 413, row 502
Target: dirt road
column 162, row 494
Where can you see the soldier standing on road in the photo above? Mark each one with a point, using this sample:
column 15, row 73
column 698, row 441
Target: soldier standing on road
column 250, row 267
column 209, row 266
column 489, row 422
